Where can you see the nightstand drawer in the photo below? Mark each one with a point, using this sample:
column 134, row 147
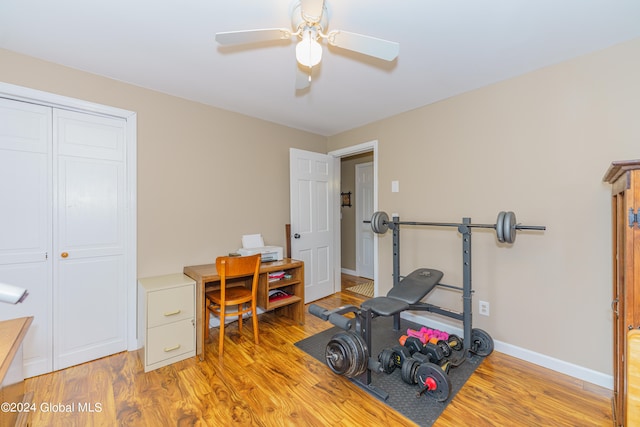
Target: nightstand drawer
column 170, row 305
column 174, row 339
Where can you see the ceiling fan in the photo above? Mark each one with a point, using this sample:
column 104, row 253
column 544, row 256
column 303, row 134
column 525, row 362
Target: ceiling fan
column 309, row 22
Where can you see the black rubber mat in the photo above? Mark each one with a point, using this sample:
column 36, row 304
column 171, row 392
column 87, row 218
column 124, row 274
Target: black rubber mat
column 402, row 397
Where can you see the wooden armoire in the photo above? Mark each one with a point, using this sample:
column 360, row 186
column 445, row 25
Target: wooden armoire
column 624, row 177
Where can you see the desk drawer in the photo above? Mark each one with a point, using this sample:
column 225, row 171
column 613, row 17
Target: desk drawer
column 174, row 339
column 170, row 305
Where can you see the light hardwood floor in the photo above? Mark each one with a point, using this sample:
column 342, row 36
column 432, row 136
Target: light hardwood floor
column 275, row 384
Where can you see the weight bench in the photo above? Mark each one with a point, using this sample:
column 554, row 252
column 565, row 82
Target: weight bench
column 406, row 295
column 348, row 353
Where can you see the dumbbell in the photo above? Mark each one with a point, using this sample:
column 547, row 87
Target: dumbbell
column 425, row 334
column 409, row 370
column 411, row 366
column 394, row 357
column 434, row 352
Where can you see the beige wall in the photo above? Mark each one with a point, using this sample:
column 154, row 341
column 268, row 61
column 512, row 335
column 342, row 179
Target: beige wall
column 539, row 145
column 205, row 176
column 348, row 220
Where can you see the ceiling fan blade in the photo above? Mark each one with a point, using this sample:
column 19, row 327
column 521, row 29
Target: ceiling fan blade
column 303, row 80
column 371, row 46
column 253, row 36
column 311, row 10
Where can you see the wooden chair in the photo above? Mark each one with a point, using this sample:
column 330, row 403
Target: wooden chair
column 231, row 271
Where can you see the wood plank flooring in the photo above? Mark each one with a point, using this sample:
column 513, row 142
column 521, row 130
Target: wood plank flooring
column 275, row 384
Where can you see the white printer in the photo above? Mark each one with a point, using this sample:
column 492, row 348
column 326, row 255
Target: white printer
column 254, row 244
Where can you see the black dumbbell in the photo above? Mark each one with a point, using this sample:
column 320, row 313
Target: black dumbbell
column 434, row 352
column 409, row 370
column 387, row 361
column 400, row 354
column 414, row 345
column 393, row 357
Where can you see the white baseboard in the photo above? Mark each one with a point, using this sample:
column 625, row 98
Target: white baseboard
column 566, row 368
column 350, row 272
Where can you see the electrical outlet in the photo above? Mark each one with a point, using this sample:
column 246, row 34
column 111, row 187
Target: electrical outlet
column 483, row 308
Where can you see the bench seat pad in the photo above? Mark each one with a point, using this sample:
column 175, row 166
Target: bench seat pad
column 385, row 306
column 415, row 286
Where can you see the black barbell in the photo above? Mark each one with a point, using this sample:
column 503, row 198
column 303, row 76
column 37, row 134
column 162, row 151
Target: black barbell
column 505, row 226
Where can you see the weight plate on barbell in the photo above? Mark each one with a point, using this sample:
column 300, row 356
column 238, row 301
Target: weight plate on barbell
column 380, row 222
column 482, row 343
column 346, row 354
column 509, row 227
column 499, row 223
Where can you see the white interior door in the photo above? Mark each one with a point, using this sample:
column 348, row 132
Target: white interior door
column 90, row 316
column 312, row 228
column 25, row 223
column 364, row 211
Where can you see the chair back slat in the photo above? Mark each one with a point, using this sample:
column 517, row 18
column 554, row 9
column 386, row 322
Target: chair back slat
column 231, row 267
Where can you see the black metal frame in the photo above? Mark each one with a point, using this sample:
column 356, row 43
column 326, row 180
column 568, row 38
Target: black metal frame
column 466, row 316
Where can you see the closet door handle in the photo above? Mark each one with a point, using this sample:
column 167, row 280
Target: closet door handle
column 615, row 310
column 64, row 254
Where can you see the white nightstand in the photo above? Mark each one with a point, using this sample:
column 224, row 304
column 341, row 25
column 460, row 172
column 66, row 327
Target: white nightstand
column 166, row 319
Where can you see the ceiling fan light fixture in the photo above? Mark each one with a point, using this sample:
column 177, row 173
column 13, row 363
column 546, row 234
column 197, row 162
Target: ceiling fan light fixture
column 308, row 50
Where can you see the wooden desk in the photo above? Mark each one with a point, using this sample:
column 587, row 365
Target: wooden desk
column 12, row 333
column 207, row 278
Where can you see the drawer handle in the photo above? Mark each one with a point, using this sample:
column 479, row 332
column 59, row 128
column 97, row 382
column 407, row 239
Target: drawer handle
column 168, row 349
column 172, row 313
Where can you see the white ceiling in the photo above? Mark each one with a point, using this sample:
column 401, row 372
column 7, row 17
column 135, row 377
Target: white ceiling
column 447, row 47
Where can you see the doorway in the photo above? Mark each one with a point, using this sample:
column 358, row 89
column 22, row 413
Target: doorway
column 356, row 180
column 345, row 235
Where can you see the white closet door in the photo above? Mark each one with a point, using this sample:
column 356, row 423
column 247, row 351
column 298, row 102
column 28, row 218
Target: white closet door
column 25, row 223
column 90, row 316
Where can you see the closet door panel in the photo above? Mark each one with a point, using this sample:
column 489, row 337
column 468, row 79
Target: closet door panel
column 89, row 269
column 90, row 207
column 25, row 223
column 25, row 185
column 84, row 135
column 24, row 126
column 89, row 317
column 25, row 216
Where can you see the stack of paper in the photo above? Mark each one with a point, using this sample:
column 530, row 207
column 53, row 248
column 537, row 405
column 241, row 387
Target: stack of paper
column 276, row 275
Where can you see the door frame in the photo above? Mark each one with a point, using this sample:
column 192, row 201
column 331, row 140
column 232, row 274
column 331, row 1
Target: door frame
column 337, row 155
column 20, row 93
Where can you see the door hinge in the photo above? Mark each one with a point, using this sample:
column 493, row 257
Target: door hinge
column 633, row 218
